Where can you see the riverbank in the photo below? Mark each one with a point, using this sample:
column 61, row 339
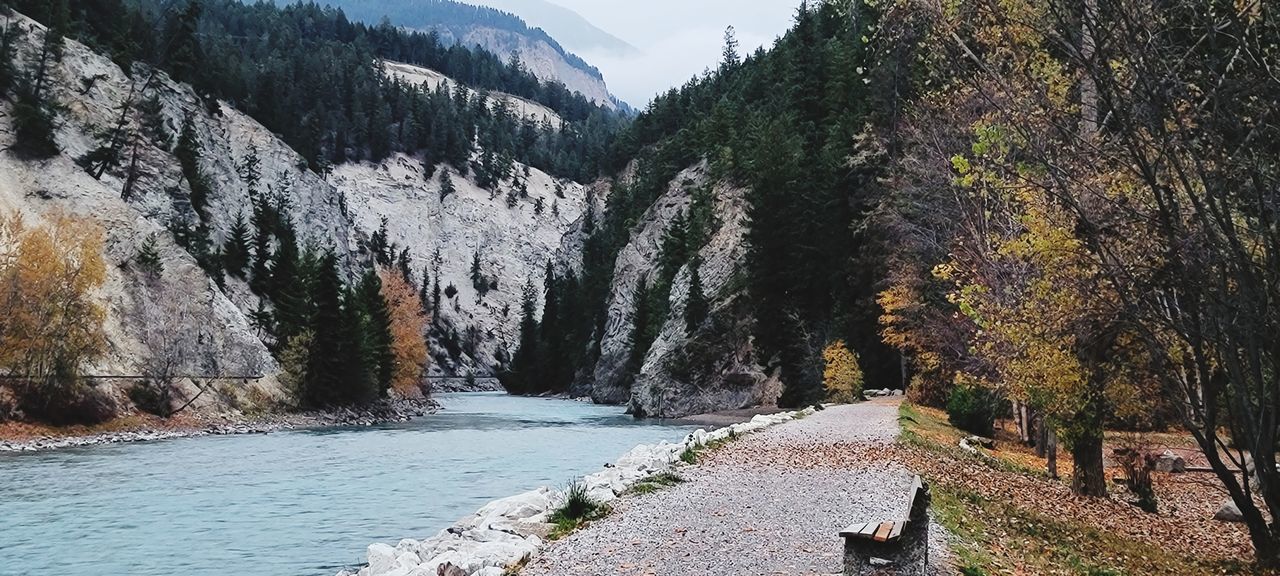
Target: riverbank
column 764, row 496
column 770, row 503
column 26, row 437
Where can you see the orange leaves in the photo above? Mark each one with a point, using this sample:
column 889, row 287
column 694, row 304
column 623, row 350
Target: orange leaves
column 49, row 320
column 408, row 340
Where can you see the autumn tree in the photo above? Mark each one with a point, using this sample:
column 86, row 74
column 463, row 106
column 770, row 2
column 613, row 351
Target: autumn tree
column 841, row 375
column 408, row 326
column 51, row 323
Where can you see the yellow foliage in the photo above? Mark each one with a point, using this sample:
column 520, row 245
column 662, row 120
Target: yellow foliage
column 408, row 338
column 842, row 376
column 50, row 322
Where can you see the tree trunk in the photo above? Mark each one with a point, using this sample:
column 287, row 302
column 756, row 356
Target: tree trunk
column 1088, row 478
column 1050, row 445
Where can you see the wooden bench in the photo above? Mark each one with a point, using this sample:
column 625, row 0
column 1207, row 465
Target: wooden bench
column 900, row 546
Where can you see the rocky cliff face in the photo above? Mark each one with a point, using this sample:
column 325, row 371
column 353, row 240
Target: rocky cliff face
column 636, row 262
column 93, row 91
column 542, row 60
column 445, row 235
column 682, row 374
column 712, row 368
column 514, row 243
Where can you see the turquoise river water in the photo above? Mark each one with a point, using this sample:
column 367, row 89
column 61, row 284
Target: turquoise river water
column 299, row 503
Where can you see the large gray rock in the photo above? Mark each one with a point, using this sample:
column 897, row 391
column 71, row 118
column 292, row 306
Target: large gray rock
column 1170, row 462
column 636, row 263
column 1228, row 512
column 713, row 369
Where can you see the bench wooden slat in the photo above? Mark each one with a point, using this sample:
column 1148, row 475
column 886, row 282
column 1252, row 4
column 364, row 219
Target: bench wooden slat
column 882, row 532
column 868, row 530
column 852, row 530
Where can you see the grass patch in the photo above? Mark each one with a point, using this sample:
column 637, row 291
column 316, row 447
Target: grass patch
column 577, row 510
column 655, row 483
column 692, row 454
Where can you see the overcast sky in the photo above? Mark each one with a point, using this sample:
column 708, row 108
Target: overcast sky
column 677, row 38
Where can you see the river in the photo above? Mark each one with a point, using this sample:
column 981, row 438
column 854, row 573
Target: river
column 299, row 503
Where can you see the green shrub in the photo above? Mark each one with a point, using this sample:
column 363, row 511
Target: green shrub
column 972, row 409
column 577, row 509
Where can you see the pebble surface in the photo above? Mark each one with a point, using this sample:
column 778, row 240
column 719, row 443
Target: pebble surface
column 771, row 503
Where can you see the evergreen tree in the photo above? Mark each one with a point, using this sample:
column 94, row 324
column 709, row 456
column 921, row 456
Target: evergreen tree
column 379, row 246
column 236, row 254
column 424, row 291
column 148, row 259
column 381, row 358
column 403, row 264
column 184, row 55
column 696, row 307
column 446, row 185
column 264, row 227
column 34, row 114
column 730, row 57
column 520, row 377
column 188, row 154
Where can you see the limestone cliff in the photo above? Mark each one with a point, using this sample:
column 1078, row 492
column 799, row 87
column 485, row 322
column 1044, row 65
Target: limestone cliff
column 338, row 212
column 682, row 374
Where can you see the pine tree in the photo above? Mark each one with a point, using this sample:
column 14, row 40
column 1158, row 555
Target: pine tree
column 695, row 308
column 148, row 259
column 379, row 245
column 264, row 226
column 520, row 377
column 184, row 55
column 446, row 185
column 188, row 154
column 730, row 58
column 424, row 291
column 236, row 254
column 478, row 281
column 9, row 37
column 403, row 264
column 381, row 358
column 34, row 115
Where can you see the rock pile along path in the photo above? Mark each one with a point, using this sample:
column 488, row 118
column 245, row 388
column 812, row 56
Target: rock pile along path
column 770, row 503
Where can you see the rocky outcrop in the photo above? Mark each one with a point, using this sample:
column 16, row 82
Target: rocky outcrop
column 508, row 531
column 444, row 235
column 514, row 242
column 713, row 368
column 92, row 91
column 541, row 59
column 612, row 378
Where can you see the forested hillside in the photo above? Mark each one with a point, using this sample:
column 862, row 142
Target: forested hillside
column 1064, row 212
column 309, row 73
column 784, row 123
column 258, row 185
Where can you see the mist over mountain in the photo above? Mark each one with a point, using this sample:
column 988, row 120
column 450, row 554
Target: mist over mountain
column 570, row 28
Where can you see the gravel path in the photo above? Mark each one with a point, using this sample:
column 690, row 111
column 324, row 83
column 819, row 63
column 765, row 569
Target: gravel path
column 770, row 503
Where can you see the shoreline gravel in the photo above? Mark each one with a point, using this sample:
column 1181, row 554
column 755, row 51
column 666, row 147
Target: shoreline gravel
column 768, row 503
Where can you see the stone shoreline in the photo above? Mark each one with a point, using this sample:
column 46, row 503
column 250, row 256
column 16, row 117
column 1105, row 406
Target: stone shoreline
column 397, row 411
column 512, row 530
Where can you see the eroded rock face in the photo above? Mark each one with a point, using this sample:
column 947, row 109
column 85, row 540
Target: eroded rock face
column 514, row 244
column 682, row 374
column 713, row 368
column 93, row 91
column 611, row 382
